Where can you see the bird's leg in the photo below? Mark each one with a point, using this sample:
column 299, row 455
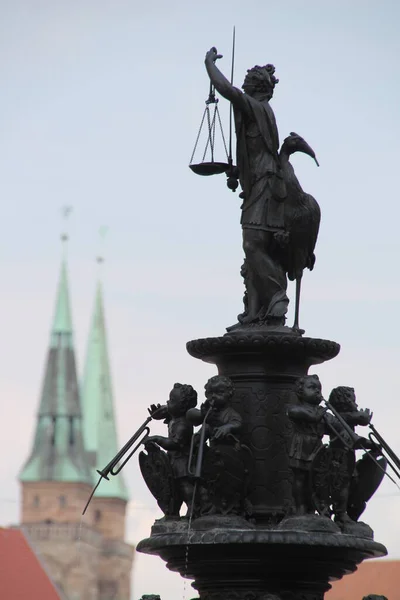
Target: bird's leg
column 297, row 304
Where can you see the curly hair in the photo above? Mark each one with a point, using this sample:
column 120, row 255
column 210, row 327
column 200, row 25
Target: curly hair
column 299, row 389
column 265, row 78
column 228, row 383
column 342, row 398
column 188, row 394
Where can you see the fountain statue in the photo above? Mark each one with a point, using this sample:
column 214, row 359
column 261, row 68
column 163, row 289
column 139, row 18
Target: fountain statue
column 274, row 477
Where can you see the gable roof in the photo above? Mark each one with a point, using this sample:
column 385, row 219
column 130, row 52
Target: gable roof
column 21, row 573
column 380, row 577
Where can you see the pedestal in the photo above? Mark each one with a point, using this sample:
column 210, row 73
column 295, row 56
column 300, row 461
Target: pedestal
column 272, row 552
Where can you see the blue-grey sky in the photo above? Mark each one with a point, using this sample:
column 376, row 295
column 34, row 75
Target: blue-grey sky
column 99, row 108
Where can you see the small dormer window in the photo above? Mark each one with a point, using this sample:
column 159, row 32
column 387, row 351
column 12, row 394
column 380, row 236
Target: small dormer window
column 36, row 501
column 63, row 501
column 97, row 515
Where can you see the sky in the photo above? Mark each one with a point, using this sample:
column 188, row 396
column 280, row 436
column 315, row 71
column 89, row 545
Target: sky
column 99, row 110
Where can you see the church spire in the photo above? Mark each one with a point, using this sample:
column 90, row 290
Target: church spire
column 58, row 453
column 100, row 435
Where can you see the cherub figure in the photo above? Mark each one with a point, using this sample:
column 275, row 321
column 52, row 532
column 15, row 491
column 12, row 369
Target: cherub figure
column 344, row 446
column 224, row 462
column 222, row 420
column 309, row 428
column 182, row 398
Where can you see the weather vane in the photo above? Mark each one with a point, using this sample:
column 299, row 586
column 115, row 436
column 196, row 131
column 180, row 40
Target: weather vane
column 65, row 212
column 102, row 233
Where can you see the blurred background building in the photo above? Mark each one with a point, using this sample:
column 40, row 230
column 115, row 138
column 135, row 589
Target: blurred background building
column 86, row 558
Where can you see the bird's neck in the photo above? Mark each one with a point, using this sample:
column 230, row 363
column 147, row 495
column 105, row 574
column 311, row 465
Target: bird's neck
column 284, row 156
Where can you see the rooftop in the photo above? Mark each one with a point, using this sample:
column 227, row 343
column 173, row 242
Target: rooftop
column 380, row 577
column 21, row 573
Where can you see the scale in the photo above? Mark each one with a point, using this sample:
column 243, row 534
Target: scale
column 211, row 119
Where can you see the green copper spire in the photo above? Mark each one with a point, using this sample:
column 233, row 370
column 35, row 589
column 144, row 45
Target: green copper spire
column 100, row 436
column 62, row 322
column 58, row 453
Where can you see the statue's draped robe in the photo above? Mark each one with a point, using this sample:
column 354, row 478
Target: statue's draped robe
column 261, row 176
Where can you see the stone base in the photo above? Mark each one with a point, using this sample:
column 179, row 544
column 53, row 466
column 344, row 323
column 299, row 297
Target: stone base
column 256, row 563
column 275, row 556
column 312, row 523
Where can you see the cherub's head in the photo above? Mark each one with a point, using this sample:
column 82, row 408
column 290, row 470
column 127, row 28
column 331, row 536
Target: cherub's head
column 308, row 389
column 219, row 390
column 260, row 80
column 181, row 398
column 343, row 399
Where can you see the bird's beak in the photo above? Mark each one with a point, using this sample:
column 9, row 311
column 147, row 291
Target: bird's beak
column 308, row 150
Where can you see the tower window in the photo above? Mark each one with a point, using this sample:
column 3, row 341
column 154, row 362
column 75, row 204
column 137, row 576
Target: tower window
column 36, row 501
column 63, row 501
column 53, row 431
column 71, row 431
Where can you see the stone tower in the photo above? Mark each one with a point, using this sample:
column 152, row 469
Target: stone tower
column 86, row 558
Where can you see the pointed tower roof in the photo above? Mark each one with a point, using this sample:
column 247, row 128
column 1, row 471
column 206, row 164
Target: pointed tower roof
column 58, row 453
column 100, row 434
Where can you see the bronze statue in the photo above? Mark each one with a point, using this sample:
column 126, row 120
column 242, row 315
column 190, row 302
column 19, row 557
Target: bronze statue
column 302, row 217
column 263, row 185
column 343, row 448
column 280, row 222
column 309, row 428
column 225, row 466
column 224, row 420
column 177, row 444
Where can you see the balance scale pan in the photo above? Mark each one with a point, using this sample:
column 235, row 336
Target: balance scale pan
column 209, row 168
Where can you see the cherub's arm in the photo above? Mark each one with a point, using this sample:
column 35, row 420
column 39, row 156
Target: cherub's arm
column 233, row 426
column 158, row 411
column 358, row 417
column 235, row 422
column 301, row 413
column 164, row 442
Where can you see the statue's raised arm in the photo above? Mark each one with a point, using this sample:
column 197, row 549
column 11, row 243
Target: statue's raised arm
column 220, row 82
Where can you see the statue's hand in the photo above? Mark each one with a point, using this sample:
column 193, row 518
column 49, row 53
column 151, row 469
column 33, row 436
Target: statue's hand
column 366, row 415
column 152, row 439
column 212, row 55
column 222, row 431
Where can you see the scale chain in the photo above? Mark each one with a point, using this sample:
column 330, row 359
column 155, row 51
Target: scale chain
column 198, row 135
column 222, row 134
column 209, row 139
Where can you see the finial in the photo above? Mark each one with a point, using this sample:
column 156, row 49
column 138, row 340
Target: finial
column 102, row 233
column 65, row 212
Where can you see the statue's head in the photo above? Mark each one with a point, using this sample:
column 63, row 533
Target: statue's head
column 181, row 398
column 343, row 399
column 260, row 80
column 308, row 389
column 374, row 597
column 219, row 390
column 150, row 597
